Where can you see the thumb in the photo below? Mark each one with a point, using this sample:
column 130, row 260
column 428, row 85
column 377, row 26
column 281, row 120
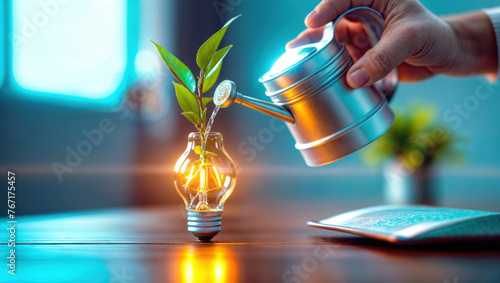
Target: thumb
column 392, row 50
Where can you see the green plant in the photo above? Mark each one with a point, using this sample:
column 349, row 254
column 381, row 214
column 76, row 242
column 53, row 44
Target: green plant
column 415, row 140
column 188, row 90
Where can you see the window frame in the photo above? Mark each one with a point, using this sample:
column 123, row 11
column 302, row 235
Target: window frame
column 110, row 102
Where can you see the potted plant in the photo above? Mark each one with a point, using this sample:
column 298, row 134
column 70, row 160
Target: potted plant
column 411, row 149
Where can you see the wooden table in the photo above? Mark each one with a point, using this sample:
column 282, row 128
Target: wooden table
column 258, row 243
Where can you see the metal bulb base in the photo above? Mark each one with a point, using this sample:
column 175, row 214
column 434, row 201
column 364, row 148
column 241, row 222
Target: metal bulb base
column 204, row 225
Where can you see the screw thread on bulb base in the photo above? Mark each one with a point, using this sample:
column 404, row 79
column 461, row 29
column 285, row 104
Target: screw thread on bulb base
column 204, row 225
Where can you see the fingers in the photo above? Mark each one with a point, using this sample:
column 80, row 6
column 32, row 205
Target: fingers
column 392, row 50
column 410, row 73
column 329, row 10
column 306, row 37
column 354, row 36
column 346, row 32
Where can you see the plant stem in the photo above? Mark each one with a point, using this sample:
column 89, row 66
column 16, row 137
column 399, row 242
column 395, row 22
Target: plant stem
column 200, row 97
column 200, row 104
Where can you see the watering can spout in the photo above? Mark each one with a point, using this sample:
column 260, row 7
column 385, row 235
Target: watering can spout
column 226, row 94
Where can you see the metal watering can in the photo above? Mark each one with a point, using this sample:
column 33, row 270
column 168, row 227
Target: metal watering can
column 307, row 86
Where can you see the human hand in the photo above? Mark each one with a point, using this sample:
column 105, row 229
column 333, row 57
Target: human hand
column 415, row 41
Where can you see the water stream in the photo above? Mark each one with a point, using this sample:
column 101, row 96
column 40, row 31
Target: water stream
column 209, row 125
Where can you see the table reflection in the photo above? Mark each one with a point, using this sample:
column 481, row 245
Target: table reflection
column 212, row 263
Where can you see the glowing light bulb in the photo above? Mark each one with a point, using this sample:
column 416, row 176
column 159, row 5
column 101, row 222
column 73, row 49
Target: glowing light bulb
column 204, row 179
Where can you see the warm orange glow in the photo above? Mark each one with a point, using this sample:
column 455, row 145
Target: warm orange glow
column 203, row 178
column 207, row 264
column 188, row 272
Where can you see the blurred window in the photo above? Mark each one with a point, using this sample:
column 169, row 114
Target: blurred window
column 73, row 48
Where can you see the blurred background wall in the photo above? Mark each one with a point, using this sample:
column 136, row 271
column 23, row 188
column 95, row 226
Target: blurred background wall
column 132, row 165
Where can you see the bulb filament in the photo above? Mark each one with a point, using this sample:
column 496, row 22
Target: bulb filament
column 208, row 178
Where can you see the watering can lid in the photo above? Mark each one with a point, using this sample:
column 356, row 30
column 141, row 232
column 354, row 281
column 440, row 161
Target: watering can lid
column 290, row 66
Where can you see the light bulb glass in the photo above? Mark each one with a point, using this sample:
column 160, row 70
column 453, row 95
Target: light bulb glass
column 205, row 179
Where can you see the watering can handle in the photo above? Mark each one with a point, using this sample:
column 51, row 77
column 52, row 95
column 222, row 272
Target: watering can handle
column 375, row 25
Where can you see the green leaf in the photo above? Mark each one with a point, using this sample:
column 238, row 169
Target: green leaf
column 210, row 153
column 207, row 50
column 212, row 79
column 206, row 100
column 217, row 60
column 213, row 69
column 198, row 149
column 180, row 71
column 195, row 119
column 186, row 99
column 197, row 162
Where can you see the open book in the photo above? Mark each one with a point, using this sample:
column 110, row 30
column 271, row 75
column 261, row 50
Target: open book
column 415, row 224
